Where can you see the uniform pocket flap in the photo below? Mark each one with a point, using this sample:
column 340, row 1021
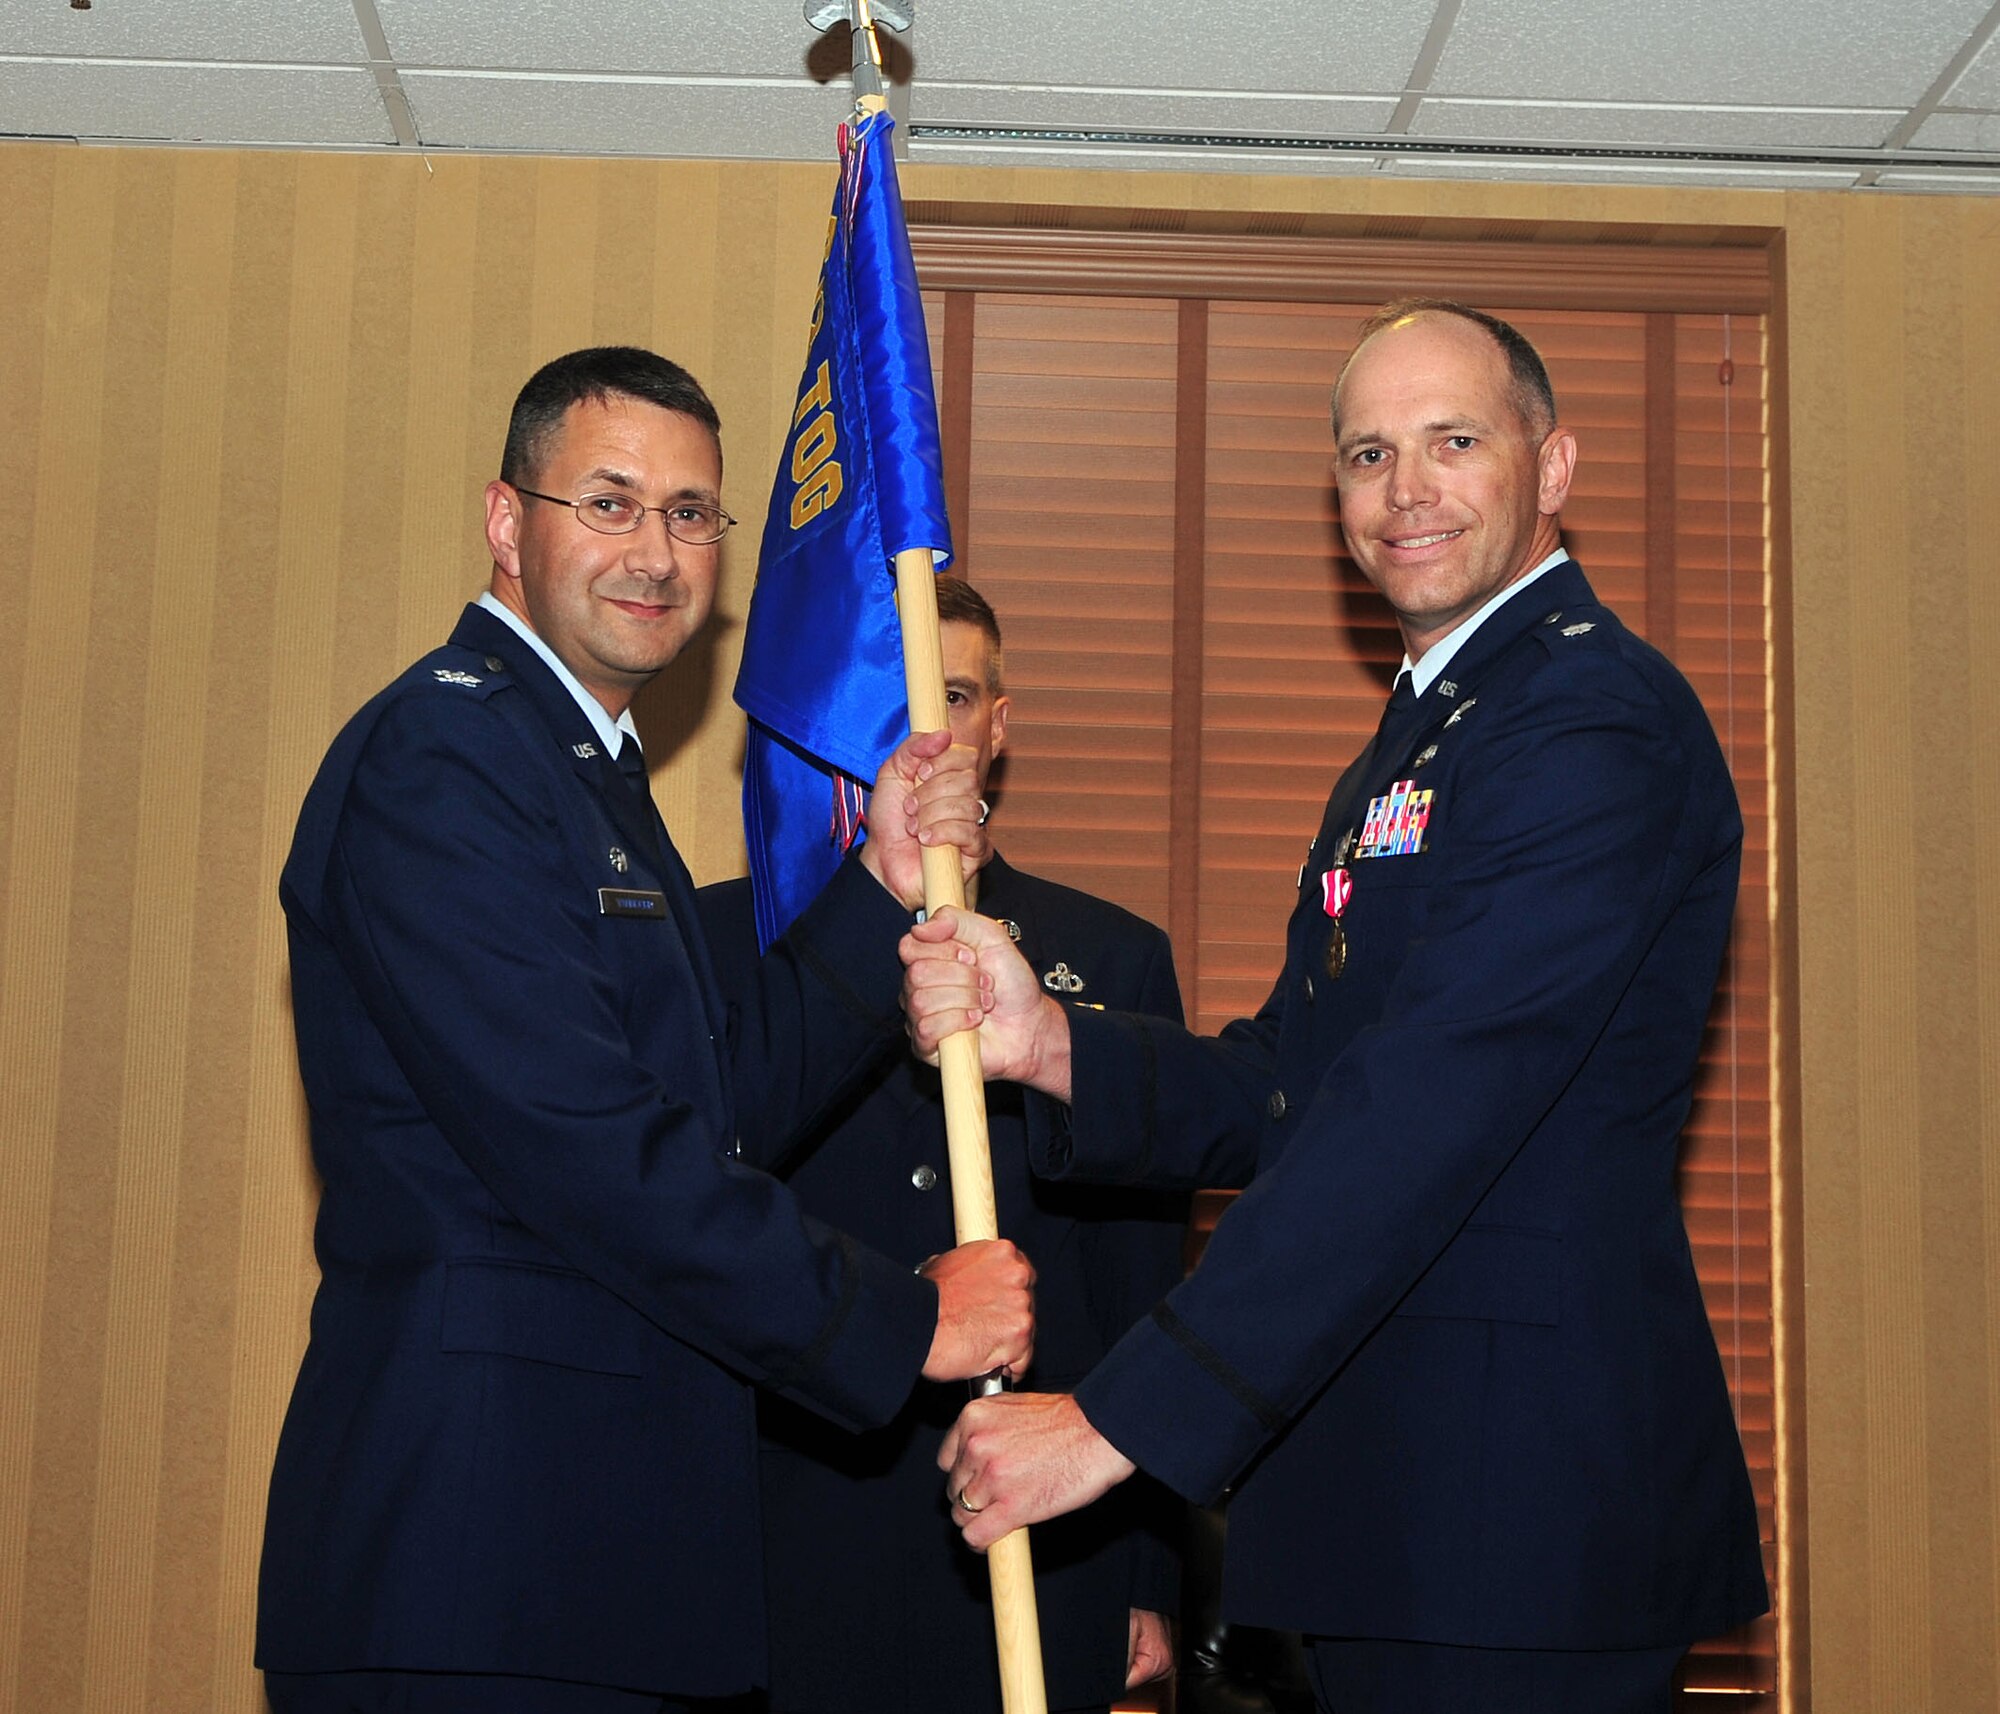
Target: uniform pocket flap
column 546, row 1315
column 1493, row 1273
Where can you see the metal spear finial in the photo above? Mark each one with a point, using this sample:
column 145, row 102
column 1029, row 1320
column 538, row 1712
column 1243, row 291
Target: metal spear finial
column 863, row 16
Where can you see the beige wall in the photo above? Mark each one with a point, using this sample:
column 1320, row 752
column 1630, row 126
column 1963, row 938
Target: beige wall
column 249, row 401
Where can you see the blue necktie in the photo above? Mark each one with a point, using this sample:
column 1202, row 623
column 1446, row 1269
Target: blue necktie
column 1398, row 719
column 632, row 764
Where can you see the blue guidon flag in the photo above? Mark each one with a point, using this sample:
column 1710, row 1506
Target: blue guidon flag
column 860, row 479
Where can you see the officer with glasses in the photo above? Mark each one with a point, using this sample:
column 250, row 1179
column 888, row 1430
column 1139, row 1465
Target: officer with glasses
column 518, row 1472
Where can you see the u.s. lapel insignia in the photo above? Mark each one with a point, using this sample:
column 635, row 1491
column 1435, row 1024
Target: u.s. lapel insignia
column 1447, row 687
column 619, row 860
column 584, row 751
column 1062, row 980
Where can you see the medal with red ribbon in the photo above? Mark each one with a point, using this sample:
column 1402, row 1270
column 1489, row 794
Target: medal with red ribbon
column 1336, row 888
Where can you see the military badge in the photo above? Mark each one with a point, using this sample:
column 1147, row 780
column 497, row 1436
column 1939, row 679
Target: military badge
column 1336, row 888
column 1395, row 823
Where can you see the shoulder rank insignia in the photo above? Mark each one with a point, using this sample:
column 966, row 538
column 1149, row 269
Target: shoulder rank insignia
column 1062, row 980
column 1462, row 710
column 584, row 751
column 1579, row 629
column 451, row 675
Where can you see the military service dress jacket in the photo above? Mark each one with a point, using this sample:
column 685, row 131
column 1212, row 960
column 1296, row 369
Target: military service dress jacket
column 1448, row 1346
column 876, row 1606
column 522, row 1438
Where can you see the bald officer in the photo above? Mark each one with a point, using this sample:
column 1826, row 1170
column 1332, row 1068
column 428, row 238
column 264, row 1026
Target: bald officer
column 1448, row 1346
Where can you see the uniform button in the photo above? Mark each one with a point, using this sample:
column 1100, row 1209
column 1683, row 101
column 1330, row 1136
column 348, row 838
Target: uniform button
column 1309, row 990
column 1277, row 1103
column 494, row 664
column 924, row 1178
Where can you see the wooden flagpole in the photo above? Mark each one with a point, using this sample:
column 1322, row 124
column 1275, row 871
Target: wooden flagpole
column 1016, row 1626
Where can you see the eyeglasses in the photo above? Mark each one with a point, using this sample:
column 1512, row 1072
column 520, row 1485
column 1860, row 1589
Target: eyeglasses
column 695, row 522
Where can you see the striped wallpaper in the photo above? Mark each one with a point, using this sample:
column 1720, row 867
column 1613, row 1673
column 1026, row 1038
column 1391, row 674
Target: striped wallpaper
column 249, row 401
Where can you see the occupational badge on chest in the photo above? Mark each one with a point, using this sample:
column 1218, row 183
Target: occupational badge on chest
column 1062, row 980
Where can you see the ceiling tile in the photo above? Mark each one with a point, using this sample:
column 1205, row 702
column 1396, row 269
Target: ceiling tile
column 1281, row 45
column 315, row 31
column 1979, row 84
column 755, row 81
column 625, row 116
column 1846, row 53
column 608, row 36
column 1977, row 131
column 1672, row 127
column 1229, row 113
column 193, row 104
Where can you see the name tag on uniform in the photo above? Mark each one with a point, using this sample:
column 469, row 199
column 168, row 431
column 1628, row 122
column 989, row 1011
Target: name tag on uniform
column 633, row 902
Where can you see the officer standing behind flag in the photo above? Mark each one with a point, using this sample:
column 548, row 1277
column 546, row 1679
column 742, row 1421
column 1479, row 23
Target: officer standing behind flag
column 1448, row 1346
column 517, row 1475
column 875, row 1606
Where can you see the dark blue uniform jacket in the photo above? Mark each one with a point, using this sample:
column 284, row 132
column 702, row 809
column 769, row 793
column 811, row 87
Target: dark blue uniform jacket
column 522, row 1438
column 876, row 1606
column 1448, row 1345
